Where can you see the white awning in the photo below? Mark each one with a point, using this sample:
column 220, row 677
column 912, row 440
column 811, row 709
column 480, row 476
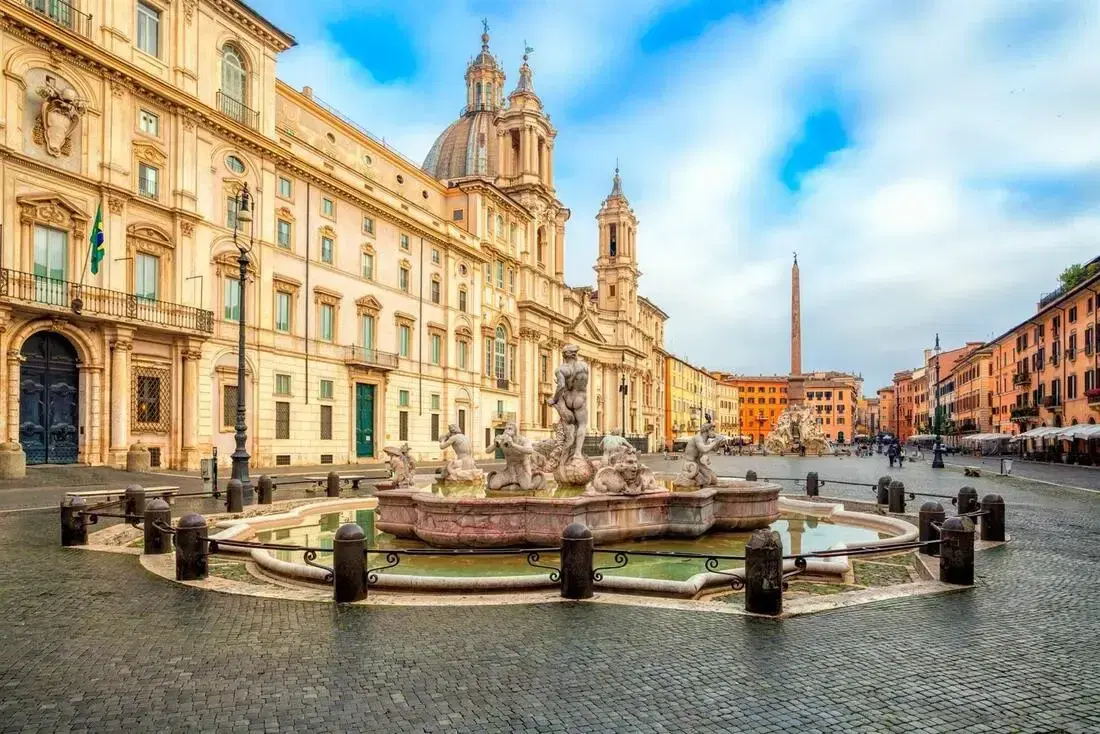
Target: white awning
column 1043, row 432
column 978, row 437
column 1084, row 430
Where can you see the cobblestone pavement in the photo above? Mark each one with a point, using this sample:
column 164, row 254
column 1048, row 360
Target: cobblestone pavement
column 92, row 642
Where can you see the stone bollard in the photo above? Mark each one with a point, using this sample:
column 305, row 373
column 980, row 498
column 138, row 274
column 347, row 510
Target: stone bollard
column 811, row 484
column 157, row 541
column 930, row 512
column 576, row 562
column 137, row 460
column 993, row 521
column 134, row 504
column 74, row 524
column 234, row 496
column 265, row 490
column 883, row 491
column 967, row 501
column 764, row 573
column 897, row 497
column 957, row 551
column 333, row 485
column 191, row 548
column 13, row 460
column 750, row 476
column 349, row 570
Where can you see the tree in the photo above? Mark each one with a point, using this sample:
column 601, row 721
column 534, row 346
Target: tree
column 1072, row 276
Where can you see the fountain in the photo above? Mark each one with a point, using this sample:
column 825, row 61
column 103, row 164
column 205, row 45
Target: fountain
column 796, row 430
column 548, row 485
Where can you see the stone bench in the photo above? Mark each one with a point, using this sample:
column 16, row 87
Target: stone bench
column 166, row 493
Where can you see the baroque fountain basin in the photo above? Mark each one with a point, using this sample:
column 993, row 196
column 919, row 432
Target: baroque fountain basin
column 475, row 518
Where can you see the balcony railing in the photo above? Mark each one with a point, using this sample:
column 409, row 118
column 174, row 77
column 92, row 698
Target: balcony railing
column 1024, row 412
column 238, row 110
column 62, row 295
column 503, row 417
column 1093, row 396
column 64, row 15
column 370, row 357
column 1052, row 401
column 1021, row 378
column 503, row 384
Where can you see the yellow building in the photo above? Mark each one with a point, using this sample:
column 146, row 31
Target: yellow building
column 728, row 420
column 692, row 397
column 384, row 299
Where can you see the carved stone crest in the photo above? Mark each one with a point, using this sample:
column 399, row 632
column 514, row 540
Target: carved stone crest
column 57, row 119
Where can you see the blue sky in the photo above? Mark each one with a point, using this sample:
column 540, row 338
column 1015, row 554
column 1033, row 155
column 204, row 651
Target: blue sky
column 934, row 164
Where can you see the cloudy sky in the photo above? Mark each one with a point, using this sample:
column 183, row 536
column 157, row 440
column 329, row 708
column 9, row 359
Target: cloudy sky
column 934, row 164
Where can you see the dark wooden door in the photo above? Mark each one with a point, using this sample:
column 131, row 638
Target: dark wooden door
column 49, row 400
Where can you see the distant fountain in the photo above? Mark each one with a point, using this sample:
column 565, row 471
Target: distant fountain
column 796, row 430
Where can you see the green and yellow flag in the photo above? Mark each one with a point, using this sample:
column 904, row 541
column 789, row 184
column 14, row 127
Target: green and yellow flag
column 96, row 240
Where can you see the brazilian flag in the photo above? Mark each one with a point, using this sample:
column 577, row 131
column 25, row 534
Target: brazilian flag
column 96, row 240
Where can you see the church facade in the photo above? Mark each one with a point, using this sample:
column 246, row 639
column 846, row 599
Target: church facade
column 384, row 298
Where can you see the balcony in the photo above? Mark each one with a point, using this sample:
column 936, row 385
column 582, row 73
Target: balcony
column 1025, row 412
column 501, row 416
column 62, row 296
column 1021, row 379
column 1052, row 402
column 358, row 356
column 503, row 384
column 64, row 15
column 1093, row 396
column 239, row 111
column 968, row 425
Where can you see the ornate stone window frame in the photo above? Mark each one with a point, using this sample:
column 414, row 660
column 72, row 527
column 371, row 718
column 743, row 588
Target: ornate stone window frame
column 368, row 305
column 404, row 264
column 368, row 249
column 160, row 372
column 57, row 212
column 289, row 286
column 436, row 280
column 325, row 297
column 154, row 156
column 151, row 240
column 403, row 319
column 330, row 233
column 463, row 333
column 293, row 188
column 226, row 267
column 439, row 330
column 285, row 214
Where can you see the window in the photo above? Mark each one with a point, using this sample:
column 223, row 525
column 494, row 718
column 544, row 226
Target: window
column 500, row 226
column 500, row 274
column 282, row 420
column 234, row 164
column 1071, row 387
column 282, row 384
column 435, row 402
column 488, row 356
column 231, row 296
column 282, row 233
column 328, row 319
column 435, row 291
column 149, row 123
column 544, row 367
column 148, row 399
column 462, row 300
column 148, row 29
column 403, row 279
column 403, row 398
column 368, row 225
column 366, row 331
column 403, row 239
column 513, row 234
column 403, row 340
column 1072, row 315
column 147, row 181
column 512, row 363
column 229, row 406
column 456, row 215
column 286, row 188
column 325, row 390
column 146, row 274
column 435, row 256
column 403, row 425
column 611, row 290
column 437, row 348
column 498, row 352
column 511, row 280
column 233, row 82
column 435, row 426
column 51, row 263
column 327, row 207
column 463, row 355
column 282, row 311
column 366, row 265
column 326, row 250
column 326, row 422
column 231, row 204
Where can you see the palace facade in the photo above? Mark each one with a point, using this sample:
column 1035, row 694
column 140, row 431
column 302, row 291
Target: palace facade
column 384, row 299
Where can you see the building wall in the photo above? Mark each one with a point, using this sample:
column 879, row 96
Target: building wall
column 887, row 411
column 761, row 399
column 834, row 397
column 693, row 394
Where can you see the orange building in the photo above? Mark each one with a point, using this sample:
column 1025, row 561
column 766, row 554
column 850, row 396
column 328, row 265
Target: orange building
column 903, row 409
column 887, row 411
column 971, row 408
column 834, row 396
column 762, row 399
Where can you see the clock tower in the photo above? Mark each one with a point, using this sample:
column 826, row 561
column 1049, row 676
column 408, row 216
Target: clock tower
column 617, row 264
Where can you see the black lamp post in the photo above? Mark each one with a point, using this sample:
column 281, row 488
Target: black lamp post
column 240, row 454
column 622, row 391
column 937, row 449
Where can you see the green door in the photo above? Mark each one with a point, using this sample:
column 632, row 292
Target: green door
column 499, row 452
column 364, row 419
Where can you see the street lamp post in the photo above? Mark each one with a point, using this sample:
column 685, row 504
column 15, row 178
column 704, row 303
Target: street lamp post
column 240, row 453
column 937, row 449
column 622, row 391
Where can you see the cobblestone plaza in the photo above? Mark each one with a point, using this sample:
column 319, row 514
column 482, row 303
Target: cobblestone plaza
column 92, row 642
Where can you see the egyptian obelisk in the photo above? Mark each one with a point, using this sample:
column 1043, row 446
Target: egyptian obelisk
column 796, row 391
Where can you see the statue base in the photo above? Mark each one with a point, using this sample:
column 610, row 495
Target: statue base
column 577, row 471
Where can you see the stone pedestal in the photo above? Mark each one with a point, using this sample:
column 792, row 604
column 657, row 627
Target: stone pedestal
column 13, row 462
column 137, row 458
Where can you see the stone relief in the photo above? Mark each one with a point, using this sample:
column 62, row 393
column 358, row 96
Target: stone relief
column 57, row 119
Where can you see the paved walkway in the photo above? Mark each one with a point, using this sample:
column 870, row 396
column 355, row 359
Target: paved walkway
column 93, row 642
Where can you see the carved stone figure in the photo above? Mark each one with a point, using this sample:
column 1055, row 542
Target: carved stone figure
column 624, row 475
column 402, row 466
column 696, row 471
column 462, row 468
column 796, row 429
column 571, row 399
column 612, row 445
column 57, row 119
column 518, row 472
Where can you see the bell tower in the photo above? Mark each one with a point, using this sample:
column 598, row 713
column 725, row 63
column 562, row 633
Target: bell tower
column 526, row 137
column 617, row 264
column 484, row 78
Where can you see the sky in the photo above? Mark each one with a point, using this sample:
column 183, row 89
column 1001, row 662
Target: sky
column 934, row 164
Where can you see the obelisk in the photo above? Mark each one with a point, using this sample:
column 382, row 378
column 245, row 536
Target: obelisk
column 796, row 392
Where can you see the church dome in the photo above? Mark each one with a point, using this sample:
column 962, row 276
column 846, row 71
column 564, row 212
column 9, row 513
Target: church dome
column 466, row 148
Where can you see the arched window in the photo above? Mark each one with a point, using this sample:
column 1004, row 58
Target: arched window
column 478, row 100
column 540, row 246
column 233, row 75
column 498, row 350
